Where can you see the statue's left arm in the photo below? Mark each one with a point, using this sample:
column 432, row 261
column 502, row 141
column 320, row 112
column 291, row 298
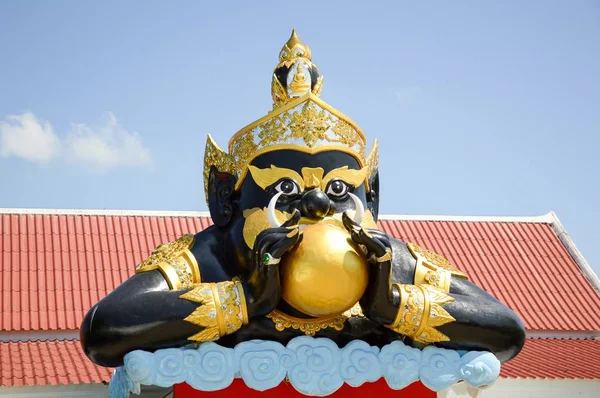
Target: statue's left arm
column 420, row 295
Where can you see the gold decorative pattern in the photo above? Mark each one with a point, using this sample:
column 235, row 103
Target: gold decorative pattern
column 294, row 48
column 310, row 326
column 433, row 260
column 420, row 312
column 373, row 159
column 215, row 156
column 256, row 221
column 264, row 178
column 278, row 93
column 434, row 276
column 351, row 176
column 222, row 310
column 312, row 176
column 305, row 123
column 175, row 261
column 318, row 86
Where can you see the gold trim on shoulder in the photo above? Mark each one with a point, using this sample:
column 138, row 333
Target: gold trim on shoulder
column 310, row 326
column 175, row 261
column 433, row 269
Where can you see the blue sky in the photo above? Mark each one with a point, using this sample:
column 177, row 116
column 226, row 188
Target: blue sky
column 481, row 108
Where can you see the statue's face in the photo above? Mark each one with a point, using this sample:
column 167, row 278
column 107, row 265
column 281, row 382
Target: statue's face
column 320, row 186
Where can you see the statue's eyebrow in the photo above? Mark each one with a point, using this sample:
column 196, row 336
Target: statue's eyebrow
column 351, row 176
column 264, row 178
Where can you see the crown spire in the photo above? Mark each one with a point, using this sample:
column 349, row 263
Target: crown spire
column 295, row 75
column 294, row 48
column 300, row 121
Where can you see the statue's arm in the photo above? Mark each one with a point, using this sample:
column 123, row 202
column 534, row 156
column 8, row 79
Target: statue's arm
column 168, row 304
column 481, row 322
column 142, row 313
column 423, row 298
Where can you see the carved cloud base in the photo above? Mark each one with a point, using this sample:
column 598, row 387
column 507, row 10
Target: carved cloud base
column 313, row 366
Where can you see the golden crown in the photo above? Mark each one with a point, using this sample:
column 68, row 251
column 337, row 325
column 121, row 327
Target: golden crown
column 300, row 121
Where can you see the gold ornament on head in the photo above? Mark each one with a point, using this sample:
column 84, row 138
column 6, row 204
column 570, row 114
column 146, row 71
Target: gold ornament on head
column 300, row 121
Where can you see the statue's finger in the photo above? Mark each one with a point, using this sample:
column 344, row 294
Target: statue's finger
column 288, row 242
column 373, row 244
column 349, row 223
column 293, row 219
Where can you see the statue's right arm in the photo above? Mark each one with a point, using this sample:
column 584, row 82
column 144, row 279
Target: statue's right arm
column 166, row 304
column 142, row 313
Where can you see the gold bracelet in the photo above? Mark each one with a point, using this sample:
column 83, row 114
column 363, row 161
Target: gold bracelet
column 386, row 257
column 176, row 262
column 222, row 311
column 420, row 312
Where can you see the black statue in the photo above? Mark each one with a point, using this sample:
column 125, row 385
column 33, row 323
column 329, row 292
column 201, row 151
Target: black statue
column 293, row 248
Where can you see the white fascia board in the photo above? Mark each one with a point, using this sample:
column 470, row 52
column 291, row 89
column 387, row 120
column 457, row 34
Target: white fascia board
column 569, row 244
column 39, row 335
column 104, row 212
column 547, row 218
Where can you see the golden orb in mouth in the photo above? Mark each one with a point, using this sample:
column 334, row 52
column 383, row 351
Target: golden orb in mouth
column 326, row 273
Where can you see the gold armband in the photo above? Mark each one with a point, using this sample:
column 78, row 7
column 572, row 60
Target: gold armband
column 433, row 269
column 223, row 309
column 176, row 262
column 420, row 312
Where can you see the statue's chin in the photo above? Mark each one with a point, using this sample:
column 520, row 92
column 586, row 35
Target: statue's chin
column 326, row 274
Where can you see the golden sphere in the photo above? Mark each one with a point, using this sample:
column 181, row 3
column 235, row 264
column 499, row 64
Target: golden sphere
column 326, row 273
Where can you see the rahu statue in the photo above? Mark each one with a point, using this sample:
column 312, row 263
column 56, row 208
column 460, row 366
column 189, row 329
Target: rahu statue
column 295, row 250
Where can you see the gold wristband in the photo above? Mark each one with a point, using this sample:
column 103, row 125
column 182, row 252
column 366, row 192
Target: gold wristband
column 222, row 311
column 386, row 257
column 176, row 262
column 420, row 311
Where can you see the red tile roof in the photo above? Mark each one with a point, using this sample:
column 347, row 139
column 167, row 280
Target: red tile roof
column 56, row 266
column 555, row 359
column 39, row 363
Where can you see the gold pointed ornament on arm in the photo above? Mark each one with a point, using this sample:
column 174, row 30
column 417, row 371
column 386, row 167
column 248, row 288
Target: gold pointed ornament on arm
column 222, row 309
column 420, row 312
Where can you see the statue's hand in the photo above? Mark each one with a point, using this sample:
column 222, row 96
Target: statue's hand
column 377, row 302
column 263, row 287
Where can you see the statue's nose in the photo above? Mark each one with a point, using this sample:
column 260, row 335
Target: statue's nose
column 315, row 204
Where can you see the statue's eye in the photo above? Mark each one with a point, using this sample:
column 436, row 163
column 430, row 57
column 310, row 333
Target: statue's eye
column 337, row 188
column 287, row 187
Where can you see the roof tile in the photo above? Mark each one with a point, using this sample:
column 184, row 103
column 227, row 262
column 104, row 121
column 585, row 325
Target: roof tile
column 47, row 362
column 555, row 359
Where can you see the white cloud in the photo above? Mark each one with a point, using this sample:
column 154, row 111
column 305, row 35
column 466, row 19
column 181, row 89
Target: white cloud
column 106, row 145
column 100, row 147
column 26, row 137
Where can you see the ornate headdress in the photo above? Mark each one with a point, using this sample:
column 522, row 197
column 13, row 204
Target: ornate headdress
column 300, row 121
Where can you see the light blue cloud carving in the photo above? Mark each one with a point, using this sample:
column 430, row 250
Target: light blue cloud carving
column 439, row 368
column 263, row 364
column 314, row 366
column 360, row 363
column 210, row 367
column 400, row 364
column 317, row 371
column 478, row 369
